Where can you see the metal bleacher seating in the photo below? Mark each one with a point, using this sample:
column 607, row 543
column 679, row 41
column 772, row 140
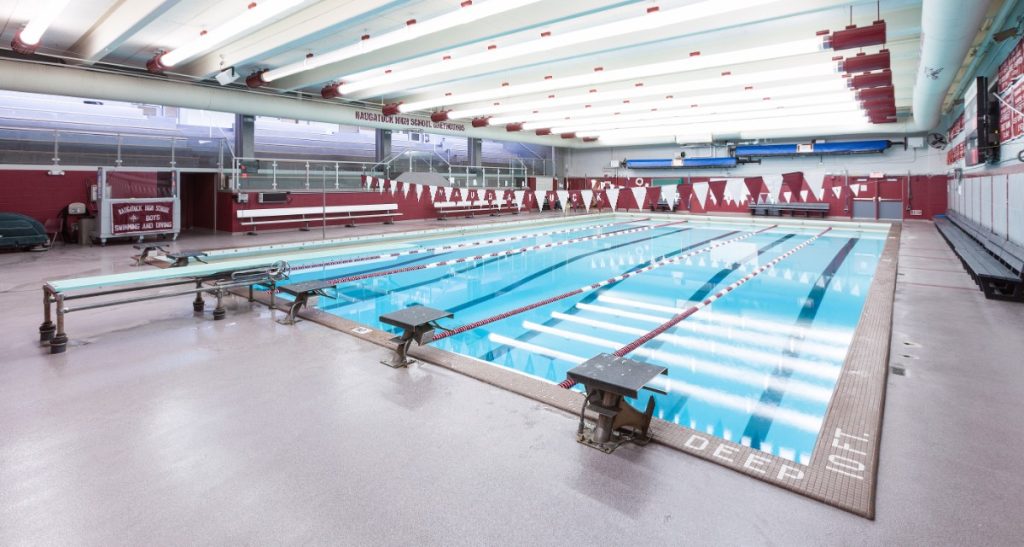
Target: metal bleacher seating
column 995, row 263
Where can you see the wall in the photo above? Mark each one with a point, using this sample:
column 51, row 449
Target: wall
column 41, row 196
column 922, row 196
column 412, row 207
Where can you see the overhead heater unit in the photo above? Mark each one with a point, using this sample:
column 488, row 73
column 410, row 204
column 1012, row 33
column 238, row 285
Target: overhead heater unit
column 814, row 148
column 682, row 163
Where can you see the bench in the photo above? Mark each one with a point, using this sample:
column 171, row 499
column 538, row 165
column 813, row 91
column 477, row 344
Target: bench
column 998, row 269
column 468, row 208
column 306, row 215
column 301, row 293
column 777, row 209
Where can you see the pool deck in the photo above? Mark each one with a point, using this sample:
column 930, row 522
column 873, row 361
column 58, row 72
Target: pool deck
column 161, row 427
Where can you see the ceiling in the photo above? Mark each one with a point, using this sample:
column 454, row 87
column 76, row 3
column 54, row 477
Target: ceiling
column 621, row 71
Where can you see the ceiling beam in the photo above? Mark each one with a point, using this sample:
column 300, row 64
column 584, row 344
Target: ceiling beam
column 483, row 29
column 312, row 23
column 773, row 23
column 122, row 21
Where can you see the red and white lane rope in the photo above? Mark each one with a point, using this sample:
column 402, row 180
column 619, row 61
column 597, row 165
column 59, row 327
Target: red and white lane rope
column 507, row 252
column 595, row 286
column 464, row 245
column 678, row 318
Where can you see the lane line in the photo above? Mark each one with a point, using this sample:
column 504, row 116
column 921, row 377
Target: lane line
column 507, row 252
column 594, row 286
column 630, row 347
column 463, row 245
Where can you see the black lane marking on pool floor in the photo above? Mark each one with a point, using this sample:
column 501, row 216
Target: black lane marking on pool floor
column 499, row 351
column 542, row 272
column 420, row 258
column 482, row 263
column 758, row 426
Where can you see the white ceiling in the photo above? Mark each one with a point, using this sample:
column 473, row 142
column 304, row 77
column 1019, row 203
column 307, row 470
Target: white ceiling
column 126, row 34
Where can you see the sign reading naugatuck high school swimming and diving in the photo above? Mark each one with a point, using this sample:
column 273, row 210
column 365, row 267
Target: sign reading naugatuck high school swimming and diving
column 142, row 217
column 377, row 117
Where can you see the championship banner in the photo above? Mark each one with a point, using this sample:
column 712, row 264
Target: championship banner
column 130, row 218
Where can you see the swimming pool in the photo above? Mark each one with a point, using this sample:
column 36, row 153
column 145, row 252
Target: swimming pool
column 756, row 366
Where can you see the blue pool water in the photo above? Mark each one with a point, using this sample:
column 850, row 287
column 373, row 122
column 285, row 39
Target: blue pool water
column 757, row 366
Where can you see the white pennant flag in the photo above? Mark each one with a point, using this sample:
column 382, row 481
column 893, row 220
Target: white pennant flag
column 380, row 186
column 563, row 197
column 774, row 184
column 786, row 196
column 673, row 198
column 540, row 196
column 816, row 182
column 701, row 189
column 639, row 194
column 735, row 189
column 613, row 197
column 369, row 182
column 803, row 195
column 518, row 196
column 838, row 191
column 586, row 196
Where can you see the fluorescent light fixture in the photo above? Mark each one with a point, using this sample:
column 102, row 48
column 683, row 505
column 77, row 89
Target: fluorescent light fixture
column 251, row 18
column 836, row 102
column 463, row 16
column 44, row 16
column 832, row 87
column 735, row 81
column 698, row 62
column 832, row 122
column 839, row 109
column 645, row 23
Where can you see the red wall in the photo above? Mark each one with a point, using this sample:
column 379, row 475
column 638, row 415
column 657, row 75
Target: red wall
column 41, row 196
column 926, row 193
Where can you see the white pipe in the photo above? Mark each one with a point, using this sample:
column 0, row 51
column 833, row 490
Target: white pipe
column 29, row 77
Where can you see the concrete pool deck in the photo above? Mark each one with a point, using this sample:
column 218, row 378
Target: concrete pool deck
column 164, row 428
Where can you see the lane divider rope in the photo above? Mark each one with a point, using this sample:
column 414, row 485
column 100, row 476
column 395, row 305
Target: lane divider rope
column 595, row 286
column 507, row 252
column 678, row 318
column 445, row 248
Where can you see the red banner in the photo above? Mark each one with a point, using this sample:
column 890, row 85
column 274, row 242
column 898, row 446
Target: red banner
column 142, row 217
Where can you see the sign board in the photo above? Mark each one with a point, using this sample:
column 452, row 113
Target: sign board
column 134, row 218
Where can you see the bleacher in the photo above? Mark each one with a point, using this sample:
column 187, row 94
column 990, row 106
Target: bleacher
column 995, row 263
column 778, row 209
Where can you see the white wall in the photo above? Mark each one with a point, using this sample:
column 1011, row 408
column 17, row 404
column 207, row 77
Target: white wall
column 995, row 202
column 594, row 163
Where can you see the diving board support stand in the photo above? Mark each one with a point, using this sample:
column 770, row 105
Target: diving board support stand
column 57, row 294
column 417, row 323
column 608, row 381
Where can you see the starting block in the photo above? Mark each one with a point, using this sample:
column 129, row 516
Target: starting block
column 608, row 380
column 417, row 323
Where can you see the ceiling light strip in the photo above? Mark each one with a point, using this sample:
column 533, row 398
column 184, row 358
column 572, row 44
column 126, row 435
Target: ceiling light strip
column 468, row 13
column 645, row 23
column 257, row 14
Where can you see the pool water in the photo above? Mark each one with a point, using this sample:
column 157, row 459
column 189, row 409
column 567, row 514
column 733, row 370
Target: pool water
column 757, row 366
